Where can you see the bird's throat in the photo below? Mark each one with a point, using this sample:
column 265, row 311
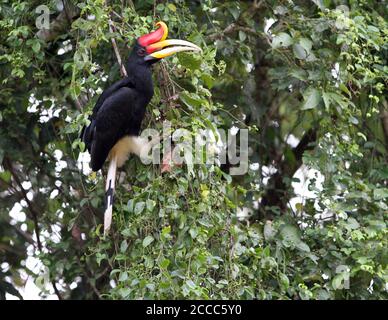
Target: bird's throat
column 142, row 77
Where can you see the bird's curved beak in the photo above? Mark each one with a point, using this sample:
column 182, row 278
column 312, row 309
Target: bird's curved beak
column 158, row 47
column 165, row 48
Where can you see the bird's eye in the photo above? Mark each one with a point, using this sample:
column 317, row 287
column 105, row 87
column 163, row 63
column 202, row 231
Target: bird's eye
column 141, row 52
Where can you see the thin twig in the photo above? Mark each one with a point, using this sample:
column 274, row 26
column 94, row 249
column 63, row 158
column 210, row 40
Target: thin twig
column 118, row 57
column 25, row 235
column 115, row 48
column 29, row 204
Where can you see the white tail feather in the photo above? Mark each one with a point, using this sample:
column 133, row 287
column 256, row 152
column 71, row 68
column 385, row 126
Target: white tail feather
column 118, row 155
column 109, row 193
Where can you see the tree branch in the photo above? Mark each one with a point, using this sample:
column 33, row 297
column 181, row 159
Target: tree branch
column 31, row 208
column 115, row 48
column 33, row 212
column 277, row 194
column 24, row 234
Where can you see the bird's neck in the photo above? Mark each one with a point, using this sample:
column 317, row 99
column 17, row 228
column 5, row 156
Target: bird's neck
column 142, row 77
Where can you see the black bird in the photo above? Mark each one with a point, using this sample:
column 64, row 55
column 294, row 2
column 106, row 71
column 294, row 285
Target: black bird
column 115, row 123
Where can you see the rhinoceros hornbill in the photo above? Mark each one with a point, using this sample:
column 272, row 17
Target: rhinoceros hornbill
column 114, row 127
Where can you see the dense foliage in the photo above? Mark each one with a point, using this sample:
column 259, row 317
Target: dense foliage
column 307, row 79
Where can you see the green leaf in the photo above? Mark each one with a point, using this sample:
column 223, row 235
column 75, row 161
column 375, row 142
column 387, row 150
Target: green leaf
column 373, row 29
column 227, row 177
column 190, row 61
column 190, row 100
column 242, row 36
column 160, row 7
column 123, row 246
column 269, row 231
column 150, row 205
column 280, row 10
column 190, row 284
column 281, row 40
column 306, row 44
column 126, row 232
column 353, row 120
column 125, row 292
column 299, row 51
column 208, row 80
column 75, row 143
column 172, row 7
column 360, row 134
column 345, row 89
column 337, row 281
column 148, row 262
column 303, row 246
column 193, row 232
column 130, row 205
column 147, row 241
column 139, row 207
column 299, row 74
column 36, row 46
column 326, row 100
column 352, row 223
column 100, row 257
column 235, row 12
column 165, row 263
column 114, row 271
column 339, row 99
column 312, row 99
column 290, row 234
column 6, row 176
column 284, row 281
column 82, row 146
column 320, row 4
column 95, row 202
column 166, row 232
column 380, row 194
column 123, row 276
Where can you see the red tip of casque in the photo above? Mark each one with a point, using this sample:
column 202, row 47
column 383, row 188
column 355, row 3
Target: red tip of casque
column 155, row 36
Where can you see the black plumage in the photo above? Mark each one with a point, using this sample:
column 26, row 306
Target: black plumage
column 117, row 116
column 120, row 109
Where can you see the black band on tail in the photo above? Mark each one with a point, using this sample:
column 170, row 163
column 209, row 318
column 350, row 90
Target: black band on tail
column 109, row 194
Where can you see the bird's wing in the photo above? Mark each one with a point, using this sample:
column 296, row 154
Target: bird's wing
column 125, row 82
column 120, row 114
column 86, row 130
